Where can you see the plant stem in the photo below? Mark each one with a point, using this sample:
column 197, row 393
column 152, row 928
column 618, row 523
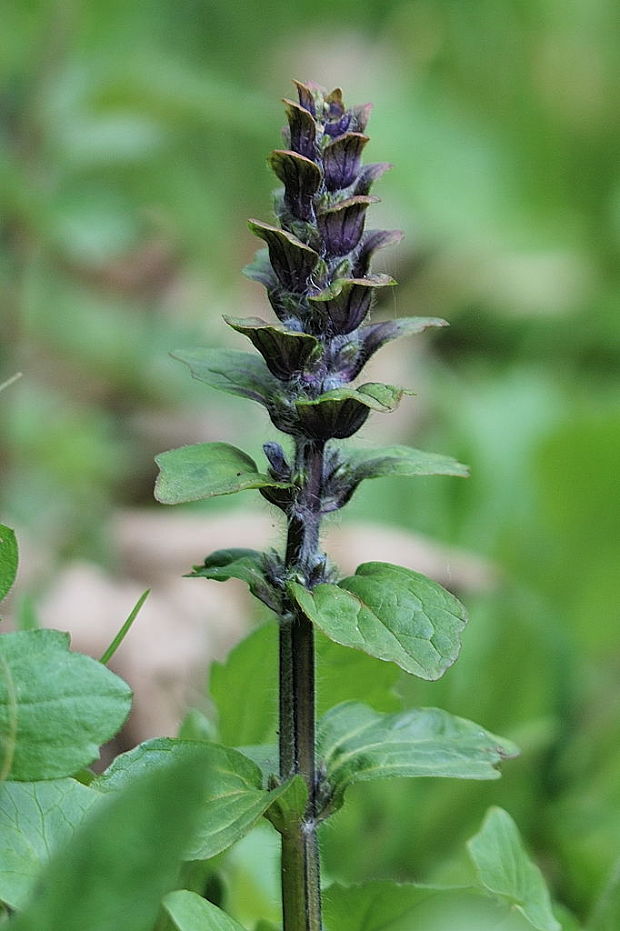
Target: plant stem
column 301, row 890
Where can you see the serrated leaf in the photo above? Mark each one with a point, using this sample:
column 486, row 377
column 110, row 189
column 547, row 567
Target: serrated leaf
column 233, row 804
column 240, row 373
column 392, row 613
column 190, row 912
column 358, row 744
column 390, row 906
column 342, row 411
column 36, row 820
column 243, row 564
column 123, row 859
column 8, row 560
column 56, row 707
column 284, row 351
column 505, row 869
column 194, row 473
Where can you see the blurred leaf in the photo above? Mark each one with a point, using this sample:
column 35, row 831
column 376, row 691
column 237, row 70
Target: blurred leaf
column 504, row 868
column 36, row 820
column 389, row 612
column 190, row 912
column 389, row 906
column 8, row 560
column 193, row 473
column 56, row 707
column 253, row 660
column 350, row 675
column 113, row 873
column 605, row 915
column 234, row 801
column 357, row 744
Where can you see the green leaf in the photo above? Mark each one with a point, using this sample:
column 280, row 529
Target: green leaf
column 124, row 858
column 399, row 460
column 36, row 820
column 390, row 612
column 284, row 351
column 289, row 808
column 390, row 906
column 504, row 868
column 605, row 915
column 253, row 660
column 247, row 565
column 358, row 744
column 235, row 800
column 118, row 639
column 193, row 473
column 8, row 560
column 341, row 412
column 190, row 912
column 56, row 707
column 240, row 373
column 344, row 675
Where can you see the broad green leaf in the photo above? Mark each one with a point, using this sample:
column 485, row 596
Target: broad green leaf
column 342, row 411
column 344, row 675
column 390, row 906
column 284, row 351
column 8, row 560
column 56, row 707
column 36, row 820
column 240, row 373
column 247, row 565
column 193, row 473
column 253, row 661
column 356, row 743
column 505, row 869
column 266, row 926
column 235, row 799
column 399, row 460
column 123, row 859
column 190, row 912
column 390, row 612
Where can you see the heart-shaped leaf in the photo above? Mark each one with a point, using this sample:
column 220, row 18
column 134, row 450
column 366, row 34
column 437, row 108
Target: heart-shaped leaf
column 390, row 612
column 56, row 707
column 234, row 799
column 505, row 869
column 194, row 473
column 356, row 743
column 190, row 912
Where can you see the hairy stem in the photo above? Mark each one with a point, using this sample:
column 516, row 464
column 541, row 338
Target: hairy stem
column 301, row 897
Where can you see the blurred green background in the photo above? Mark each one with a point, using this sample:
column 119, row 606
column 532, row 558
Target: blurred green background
column 133, row 146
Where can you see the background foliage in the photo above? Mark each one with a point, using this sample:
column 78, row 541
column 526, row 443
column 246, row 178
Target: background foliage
column 133, row 148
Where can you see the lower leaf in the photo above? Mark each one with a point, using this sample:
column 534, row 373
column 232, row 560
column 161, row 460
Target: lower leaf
column 190, row 912
column 358, row 744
